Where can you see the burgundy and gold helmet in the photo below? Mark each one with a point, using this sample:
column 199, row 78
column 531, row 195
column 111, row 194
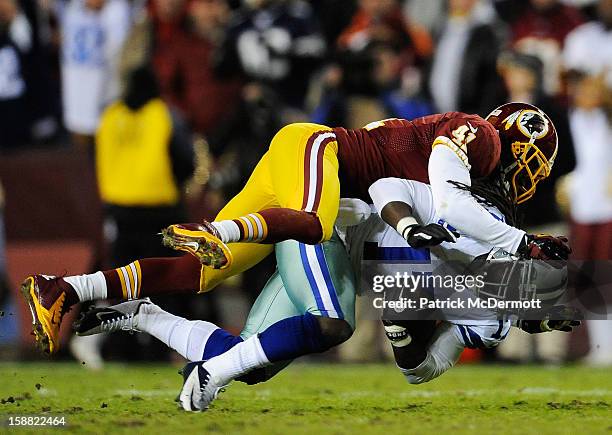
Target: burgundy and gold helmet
column 530, row 143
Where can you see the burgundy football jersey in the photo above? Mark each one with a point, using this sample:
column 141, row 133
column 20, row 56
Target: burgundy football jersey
column 401, row 148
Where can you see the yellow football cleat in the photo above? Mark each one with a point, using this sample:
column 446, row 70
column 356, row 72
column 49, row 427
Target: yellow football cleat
column 46, row 297
column 201, row 241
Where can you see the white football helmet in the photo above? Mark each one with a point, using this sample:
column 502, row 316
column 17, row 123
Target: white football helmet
column 508, row 277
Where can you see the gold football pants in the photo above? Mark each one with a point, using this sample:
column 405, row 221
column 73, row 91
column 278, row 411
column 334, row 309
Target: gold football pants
column 299, row 171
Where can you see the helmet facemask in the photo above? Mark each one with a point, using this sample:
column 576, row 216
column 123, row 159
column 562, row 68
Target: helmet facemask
column 507, row 277
column 529, row 167
column 528, row 164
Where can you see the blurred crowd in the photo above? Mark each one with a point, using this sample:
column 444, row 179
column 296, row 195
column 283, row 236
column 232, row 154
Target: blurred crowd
column 205, row 84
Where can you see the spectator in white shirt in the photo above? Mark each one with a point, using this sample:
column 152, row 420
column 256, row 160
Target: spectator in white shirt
column 93, row 33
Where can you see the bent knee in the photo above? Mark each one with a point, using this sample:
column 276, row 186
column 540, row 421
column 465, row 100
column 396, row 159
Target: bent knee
column 334, row 331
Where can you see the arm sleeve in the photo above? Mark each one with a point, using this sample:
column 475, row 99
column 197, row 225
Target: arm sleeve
column 459, row 208
column 413, row 193
column 388, row 190
column 474, row 141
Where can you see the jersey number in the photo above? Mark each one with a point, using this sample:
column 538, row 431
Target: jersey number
column 463, row 135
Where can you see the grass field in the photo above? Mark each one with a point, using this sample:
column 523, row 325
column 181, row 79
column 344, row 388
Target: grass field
column 316, row 399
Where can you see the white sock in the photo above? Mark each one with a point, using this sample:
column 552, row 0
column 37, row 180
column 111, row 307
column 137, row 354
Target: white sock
column 89, row 287
column 237, row 361
column 187, row 337
column 228, row 230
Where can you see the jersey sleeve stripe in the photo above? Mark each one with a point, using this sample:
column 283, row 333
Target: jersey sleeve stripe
column 443, row 140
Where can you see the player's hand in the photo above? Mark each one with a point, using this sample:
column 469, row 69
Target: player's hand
column 425, row 236
column 544, row 247
column 558, row 318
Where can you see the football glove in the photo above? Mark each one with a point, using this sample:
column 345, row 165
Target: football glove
column 544, row 247
column 425, row 236
column 557, row 318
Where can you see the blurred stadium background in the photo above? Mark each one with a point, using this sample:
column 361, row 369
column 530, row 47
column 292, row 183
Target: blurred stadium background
column 232, row 72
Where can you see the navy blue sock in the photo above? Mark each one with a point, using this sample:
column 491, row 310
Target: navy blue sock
column 219, row 342
column 292, row 337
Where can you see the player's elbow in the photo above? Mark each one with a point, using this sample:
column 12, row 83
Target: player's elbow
column 379, row 189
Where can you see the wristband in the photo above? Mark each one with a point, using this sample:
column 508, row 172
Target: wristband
column 404, row 225
column 397, row 335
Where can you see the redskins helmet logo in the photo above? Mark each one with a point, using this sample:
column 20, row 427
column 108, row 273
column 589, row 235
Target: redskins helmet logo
column 531, row 123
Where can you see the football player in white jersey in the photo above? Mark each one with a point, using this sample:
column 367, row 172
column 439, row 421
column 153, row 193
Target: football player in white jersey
column 426, row 349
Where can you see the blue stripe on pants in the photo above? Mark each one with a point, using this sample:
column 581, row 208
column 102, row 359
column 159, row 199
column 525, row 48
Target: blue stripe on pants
column 311, row 279
column 327, row 276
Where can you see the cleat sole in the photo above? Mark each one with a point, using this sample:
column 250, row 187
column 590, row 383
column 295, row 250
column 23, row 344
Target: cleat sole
column 208, row 249
column 43, row 340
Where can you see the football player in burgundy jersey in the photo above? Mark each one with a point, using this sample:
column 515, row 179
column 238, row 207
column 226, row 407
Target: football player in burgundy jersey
column 516, row 146
column 294, row 193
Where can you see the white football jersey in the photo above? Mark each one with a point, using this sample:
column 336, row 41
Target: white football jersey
column 375, row 231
